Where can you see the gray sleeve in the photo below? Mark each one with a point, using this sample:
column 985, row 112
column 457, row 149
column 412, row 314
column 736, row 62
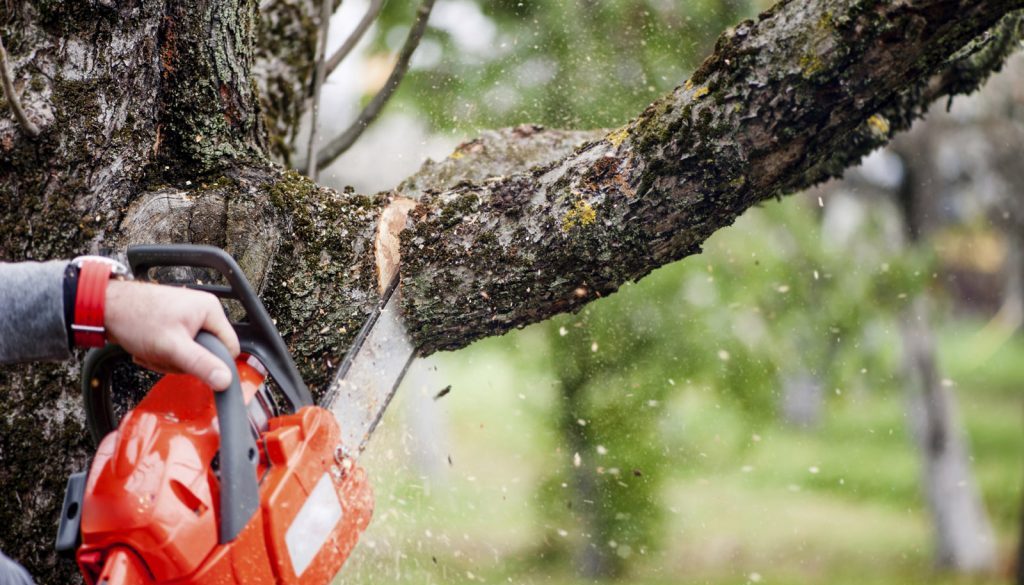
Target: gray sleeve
column 11, row 573
column 32, row 324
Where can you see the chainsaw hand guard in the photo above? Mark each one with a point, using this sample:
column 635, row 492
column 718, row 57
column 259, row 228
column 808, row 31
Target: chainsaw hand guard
column 257, row 334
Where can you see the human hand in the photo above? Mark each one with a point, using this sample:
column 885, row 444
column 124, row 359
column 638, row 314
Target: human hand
column 157, row 325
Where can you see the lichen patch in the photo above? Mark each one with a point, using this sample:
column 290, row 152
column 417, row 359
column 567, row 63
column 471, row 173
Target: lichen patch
column 879, row 125
column 617, row 137
column 582, row 214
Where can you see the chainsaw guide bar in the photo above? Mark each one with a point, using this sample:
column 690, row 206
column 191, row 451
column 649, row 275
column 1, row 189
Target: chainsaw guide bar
column 370, row 374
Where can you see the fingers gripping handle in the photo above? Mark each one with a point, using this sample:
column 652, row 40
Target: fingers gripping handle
column 239, row 490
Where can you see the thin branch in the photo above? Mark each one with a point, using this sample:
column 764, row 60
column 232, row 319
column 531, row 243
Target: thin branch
column 342, row 143
column 357, row 34
column 12, row 98
column 326, row 9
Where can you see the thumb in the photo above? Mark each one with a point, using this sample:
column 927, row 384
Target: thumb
column 196, row 360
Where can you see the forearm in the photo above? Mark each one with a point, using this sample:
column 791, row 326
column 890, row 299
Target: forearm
column 32, row 325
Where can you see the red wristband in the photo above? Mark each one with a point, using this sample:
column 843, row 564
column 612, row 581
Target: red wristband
column 93, row 277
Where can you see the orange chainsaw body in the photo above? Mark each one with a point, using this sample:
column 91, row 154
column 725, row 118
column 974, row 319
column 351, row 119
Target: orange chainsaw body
column 150, row 508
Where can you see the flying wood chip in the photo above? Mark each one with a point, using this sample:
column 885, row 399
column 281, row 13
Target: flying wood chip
column 444, row 392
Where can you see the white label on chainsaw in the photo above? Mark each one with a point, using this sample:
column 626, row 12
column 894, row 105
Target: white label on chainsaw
column 313, row 525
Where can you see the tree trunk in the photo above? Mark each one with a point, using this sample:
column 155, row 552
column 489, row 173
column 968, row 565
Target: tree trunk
column 1011, row 314
column 964, row 540
column 593, row 558
column 158, row 119
column 1020, row 545
column 802, row 399
column 1014, row 305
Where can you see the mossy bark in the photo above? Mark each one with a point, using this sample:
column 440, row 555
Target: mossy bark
column 159, row 117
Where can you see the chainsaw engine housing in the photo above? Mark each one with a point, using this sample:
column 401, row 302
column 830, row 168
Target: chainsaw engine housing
column 193, row 486
column 152, row 495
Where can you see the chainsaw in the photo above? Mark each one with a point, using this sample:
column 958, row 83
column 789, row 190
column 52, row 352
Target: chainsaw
column 254, row 484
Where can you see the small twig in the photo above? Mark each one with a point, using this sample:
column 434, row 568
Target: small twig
column 339, row 145
column 12, row 98
column 318, row 82
column 357, row 34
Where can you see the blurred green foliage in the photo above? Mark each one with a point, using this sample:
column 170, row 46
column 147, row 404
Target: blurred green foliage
column 774, row 295
column 726, row 493
column 567, row 64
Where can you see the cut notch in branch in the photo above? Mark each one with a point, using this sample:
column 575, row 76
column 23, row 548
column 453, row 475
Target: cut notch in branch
column 387, row 246
column 339, row 145
column 12, row 97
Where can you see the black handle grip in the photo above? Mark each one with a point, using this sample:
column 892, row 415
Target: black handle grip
column 239, row 489
column 97, row 378
column 258, row 335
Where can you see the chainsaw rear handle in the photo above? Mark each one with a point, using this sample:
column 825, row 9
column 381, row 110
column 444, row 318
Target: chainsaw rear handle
column 239, row 489
column 257, row 334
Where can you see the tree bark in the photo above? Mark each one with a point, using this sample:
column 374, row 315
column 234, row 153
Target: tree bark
column 159, row 119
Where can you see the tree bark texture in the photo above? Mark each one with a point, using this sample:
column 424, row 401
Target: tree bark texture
column 159, row 120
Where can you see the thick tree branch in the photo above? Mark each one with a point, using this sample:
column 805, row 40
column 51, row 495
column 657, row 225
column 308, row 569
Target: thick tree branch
column 339, row 145
column 495, row 154
column 782, row 104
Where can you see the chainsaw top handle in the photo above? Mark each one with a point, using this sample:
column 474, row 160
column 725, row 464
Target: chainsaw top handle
column 257, row 334
column 239, row 490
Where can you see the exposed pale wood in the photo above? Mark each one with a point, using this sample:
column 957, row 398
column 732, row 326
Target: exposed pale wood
column 386, row 245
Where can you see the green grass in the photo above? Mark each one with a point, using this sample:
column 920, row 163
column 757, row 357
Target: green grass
column 748, row 500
